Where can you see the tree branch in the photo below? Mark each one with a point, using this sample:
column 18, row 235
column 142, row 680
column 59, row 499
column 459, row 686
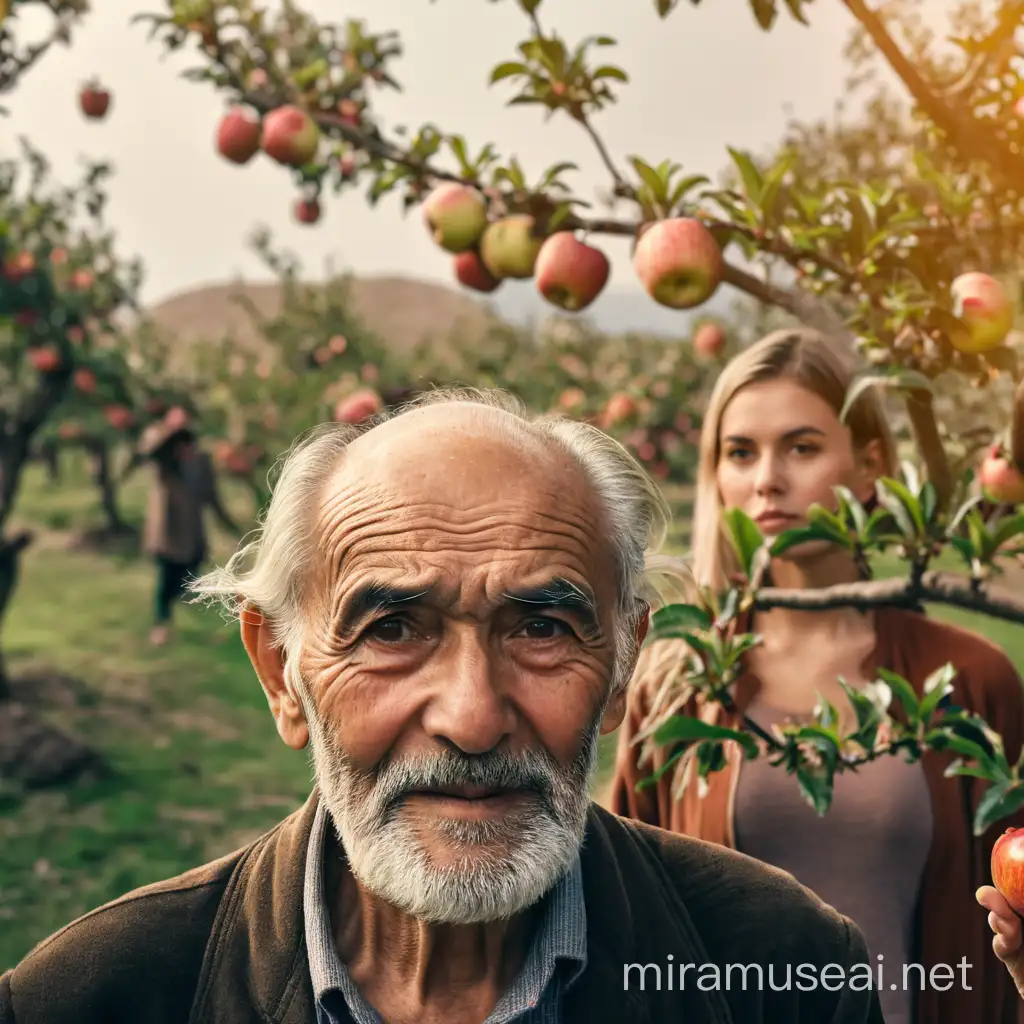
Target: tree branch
column 933, row 587
column 1017, row 427
column 965, row 134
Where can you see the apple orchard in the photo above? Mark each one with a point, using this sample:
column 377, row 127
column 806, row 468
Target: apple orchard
column 903, row 247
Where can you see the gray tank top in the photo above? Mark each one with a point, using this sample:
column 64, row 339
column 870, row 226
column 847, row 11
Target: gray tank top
column 865, row 857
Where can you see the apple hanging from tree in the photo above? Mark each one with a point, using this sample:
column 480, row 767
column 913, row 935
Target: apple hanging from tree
column 307, row 211
column 94, row 100
column 1008, row 867
column 509, row 247
column 570, row 274
column 238, row 135
column 1000, row 479
column 290, row 136
column 85, row 381
column 983, row 305
column 678, row 262
column 456, row 216
column 471, row 272
column 708, row 340
column 358, row 406
column 45, row 359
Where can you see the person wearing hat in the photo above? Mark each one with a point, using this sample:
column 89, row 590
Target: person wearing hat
column 184, row 486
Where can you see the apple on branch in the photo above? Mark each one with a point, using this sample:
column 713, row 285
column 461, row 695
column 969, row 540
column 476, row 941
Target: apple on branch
column 471, row 272
column 708, row 341
column 981, row 302
column 290, row 136
column 94, row 100
column 456, row 216
column 1008, row 867
column 1000, row 480
column 509, row 247
column 678, row 262
column 570, row 274
column 238, row 135
column 307, row 211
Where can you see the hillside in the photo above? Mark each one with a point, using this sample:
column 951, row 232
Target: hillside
column 403, row 311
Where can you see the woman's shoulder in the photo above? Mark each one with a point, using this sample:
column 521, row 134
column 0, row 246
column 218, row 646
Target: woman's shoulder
column 983, row 667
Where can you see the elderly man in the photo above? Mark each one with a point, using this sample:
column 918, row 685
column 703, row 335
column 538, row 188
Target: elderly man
column 445, row 605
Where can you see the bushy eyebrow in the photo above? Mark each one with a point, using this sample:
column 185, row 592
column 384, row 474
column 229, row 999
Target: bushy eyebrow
column 376, row 597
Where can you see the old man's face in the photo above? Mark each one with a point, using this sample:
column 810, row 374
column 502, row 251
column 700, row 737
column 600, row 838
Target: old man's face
column 460, row 675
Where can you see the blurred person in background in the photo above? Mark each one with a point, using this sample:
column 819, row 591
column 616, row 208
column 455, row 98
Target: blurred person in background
column 896, row 851
column 184, row 486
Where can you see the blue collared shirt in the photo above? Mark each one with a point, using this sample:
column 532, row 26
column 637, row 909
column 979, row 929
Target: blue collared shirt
column 557, row 955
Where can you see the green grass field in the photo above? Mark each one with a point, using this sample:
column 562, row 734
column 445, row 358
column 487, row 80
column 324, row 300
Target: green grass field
column 198, row 767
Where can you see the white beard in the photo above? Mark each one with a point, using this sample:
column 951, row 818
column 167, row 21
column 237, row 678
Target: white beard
column 495, row 869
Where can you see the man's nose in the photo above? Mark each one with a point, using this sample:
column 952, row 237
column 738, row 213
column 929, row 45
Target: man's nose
column 469, row 708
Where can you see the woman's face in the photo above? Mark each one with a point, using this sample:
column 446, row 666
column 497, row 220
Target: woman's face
column 783, row 449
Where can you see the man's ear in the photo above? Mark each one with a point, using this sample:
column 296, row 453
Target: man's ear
column 268, row 661
column 643, row 625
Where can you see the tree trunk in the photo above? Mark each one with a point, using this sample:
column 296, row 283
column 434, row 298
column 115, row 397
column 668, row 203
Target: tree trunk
column 926, row 432
column 10, row 556
column 104, row 481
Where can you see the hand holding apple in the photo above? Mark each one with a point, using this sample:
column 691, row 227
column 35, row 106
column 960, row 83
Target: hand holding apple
column 1006, row 926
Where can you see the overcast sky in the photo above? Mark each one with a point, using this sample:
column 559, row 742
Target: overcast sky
column 703, row 79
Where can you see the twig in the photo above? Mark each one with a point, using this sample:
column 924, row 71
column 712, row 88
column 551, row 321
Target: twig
column 934, row 587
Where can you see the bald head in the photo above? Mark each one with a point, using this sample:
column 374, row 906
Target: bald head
column 455, row 454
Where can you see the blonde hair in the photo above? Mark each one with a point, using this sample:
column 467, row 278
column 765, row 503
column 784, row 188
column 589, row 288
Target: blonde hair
column 273, row 572
column 814, row 362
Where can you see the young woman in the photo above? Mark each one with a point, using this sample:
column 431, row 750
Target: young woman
column 896, row 851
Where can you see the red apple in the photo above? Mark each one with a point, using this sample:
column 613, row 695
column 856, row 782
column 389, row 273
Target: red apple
column 176, row 418
column 569, row 273
column 338, row 344
column 19, row 266
column 350, row 113
column 347, row 165
column 509, row 247
column 85, row 381
column 1000, row 479
column 983, row 305
column 238, row 135
column 708, row 340
column 471, row 272
column 118, row 417
column 45, row 359
column 456, row 216
column 358, row 406
column 619, row 407
column 94, row 101
column 678, row 262
column 81, row 280
column 307, row 211
column 1008, row 867
column 290, row 136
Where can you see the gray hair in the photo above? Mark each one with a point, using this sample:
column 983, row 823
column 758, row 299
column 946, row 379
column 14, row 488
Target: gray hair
column 273, row 571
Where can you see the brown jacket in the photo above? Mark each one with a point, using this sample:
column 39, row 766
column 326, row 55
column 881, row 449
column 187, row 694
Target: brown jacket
column 174, row 526
column 224, row 943
column 950, row 925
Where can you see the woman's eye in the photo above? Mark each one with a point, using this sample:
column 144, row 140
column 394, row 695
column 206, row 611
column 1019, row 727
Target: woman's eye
column 545, row 629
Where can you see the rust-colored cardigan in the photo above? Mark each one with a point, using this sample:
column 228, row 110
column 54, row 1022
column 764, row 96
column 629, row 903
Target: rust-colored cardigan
column 950, row 924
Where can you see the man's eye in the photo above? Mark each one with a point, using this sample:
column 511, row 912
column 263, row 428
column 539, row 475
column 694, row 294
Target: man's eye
column 545, row 629
column 388, row 630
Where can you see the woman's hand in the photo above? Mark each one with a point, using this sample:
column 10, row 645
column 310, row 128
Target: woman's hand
column 1006, row 943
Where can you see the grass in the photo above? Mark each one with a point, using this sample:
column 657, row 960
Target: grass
column 198, row 766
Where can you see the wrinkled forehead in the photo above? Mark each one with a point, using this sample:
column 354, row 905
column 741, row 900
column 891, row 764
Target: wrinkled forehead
column 468, row 514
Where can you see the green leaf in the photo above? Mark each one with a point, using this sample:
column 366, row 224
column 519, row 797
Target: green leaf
column 816, row 789
column 795, row 10
column 903, row 691
column 907, row 500
column 892, row 504
column 683, row 729
column 938, row 685
column 650, row 178
column 753, row 183
column 801, row 535
column 899, row 379
column 664, row 7
column 529, row 6
column 746, row 538
column 1001, row 800
column 507, row 70
column 764, row 12
column 610, row 71
column 675, row 619
column 655, row 777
